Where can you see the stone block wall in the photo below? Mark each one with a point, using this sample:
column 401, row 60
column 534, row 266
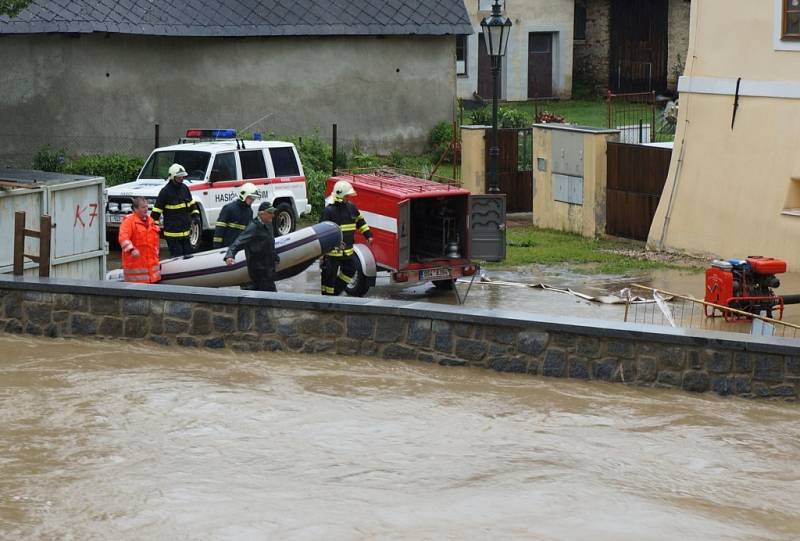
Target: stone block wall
column 724, row 363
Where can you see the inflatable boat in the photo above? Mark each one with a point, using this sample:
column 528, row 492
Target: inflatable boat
column 297, row 250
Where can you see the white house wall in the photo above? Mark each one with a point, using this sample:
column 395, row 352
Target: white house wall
column 104, row 93
column 554, row 16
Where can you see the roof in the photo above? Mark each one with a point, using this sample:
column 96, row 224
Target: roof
column 240, row 18
column 400, row 185
column 223, row 145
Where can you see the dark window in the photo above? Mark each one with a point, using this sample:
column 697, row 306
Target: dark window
column 461, row 55
column 580, row 22
column 284, row 162
column 194, row 162
column 791, row 20
column 253, row 165
column 224, row 167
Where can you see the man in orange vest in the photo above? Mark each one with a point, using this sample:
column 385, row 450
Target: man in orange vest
column 138, row 238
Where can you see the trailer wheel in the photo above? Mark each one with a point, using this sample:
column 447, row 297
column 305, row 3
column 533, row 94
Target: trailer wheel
column 284, row 220
column 444, row 285
column 359, row 286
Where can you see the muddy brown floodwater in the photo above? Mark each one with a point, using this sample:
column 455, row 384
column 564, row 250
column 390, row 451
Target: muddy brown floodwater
column 103, row 440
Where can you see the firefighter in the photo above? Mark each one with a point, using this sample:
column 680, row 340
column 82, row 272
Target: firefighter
column 258, row 242
column 338, row 265
column 139, row 240
column 178, row 208
column 235, row 216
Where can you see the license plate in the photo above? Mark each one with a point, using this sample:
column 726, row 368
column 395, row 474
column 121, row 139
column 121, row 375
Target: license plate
column 435, row 274
column 114, row 218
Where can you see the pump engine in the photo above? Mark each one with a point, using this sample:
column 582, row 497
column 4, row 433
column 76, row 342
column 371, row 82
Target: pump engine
column 747, row 285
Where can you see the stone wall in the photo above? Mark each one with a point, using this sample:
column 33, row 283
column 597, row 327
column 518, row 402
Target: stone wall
column 190, row 317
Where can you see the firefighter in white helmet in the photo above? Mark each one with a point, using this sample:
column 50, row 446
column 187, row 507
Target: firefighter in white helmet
column 338, row 265
column 235, row 216
column 178, row 208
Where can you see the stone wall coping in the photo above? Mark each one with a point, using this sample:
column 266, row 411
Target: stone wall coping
column 383, row 307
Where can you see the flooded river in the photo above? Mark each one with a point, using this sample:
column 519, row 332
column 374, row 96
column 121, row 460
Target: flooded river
column 103, row 440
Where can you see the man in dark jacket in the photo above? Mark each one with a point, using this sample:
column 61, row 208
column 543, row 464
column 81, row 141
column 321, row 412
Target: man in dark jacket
column 338, row 266
column 235, row 216
column 258, row 242
column 175, row 203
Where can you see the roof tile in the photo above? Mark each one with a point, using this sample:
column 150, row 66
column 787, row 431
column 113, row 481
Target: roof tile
column 242, row 17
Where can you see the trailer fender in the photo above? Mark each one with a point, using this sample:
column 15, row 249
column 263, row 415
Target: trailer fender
column 367, row 260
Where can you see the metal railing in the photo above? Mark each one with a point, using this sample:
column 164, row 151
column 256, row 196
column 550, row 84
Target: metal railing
column 687, row 312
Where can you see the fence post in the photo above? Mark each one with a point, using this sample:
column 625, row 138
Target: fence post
column 19, row 242
column 156, row 137
column 333, row 152
column 44, row 245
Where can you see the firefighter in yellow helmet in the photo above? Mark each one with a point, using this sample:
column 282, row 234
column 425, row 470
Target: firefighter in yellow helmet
column 175, row 204
column 235, row 216
column 338, row 265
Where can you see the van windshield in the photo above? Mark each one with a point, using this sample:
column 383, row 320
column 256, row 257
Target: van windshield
column 195, row 163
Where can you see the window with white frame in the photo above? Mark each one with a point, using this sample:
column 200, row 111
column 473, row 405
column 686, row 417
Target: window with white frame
column 461, row 55
column 790, row 20
column 486, row 5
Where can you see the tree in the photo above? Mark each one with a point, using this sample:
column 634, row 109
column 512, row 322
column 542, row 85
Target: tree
column 11, row 8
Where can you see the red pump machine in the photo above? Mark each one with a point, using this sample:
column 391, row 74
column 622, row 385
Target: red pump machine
column 747, row 285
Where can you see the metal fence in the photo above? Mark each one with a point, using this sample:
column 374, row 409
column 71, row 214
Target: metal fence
column 682, row 311
column 639, row 117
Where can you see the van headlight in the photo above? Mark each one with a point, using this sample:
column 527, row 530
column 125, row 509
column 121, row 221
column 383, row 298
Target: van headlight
column 126, row 208
column 113, row 207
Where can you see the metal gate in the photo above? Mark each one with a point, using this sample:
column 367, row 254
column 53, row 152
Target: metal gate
column 514, row 167
column 636, row 176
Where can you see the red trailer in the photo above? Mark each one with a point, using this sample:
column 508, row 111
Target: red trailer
column 420, row 228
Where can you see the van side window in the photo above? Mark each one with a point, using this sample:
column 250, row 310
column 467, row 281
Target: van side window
column 253, row 165
column 284, row 162
column 224, row 167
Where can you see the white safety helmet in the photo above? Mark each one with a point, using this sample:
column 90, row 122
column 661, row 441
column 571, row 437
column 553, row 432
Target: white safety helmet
column 176, row 170
column 341, row 190
column 248, row 189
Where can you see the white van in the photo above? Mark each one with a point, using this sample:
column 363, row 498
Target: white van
column 218, row 164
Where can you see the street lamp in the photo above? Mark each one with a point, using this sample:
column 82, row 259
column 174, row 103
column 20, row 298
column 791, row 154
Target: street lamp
column 495, row 29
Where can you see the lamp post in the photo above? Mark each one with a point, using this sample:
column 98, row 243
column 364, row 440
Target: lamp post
column 495, row 29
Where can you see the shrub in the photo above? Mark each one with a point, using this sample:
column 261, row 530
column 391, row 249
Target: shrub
column 315, row 154
column 507, row 117
column 315, row 182
column 49, row 160
column 116, row 168
column 440, row 137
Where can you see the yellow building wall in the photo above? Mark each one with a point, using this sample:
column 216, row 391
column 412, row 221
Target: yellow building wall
column 729, row 191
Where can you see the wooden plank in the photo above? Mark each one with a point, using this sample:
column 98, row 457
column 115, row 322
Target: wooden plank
column 19, row 242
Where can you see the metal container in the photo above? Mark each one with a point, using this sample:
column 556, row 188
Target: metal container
column 75, row 203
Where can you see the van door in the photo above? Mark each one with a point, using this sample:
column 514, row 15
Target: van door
column 487, row 227
column 404, row 234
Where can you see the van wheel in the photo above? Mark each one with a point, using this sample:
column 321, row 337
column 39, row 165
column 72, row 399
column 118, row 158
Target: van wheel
column 196, row 234
column 444, row 285
column 284, row 219
column 359, row 286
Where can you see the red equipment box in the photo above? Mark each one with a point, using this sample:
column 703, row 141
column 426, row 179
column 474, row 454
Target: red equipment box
column 766, row 265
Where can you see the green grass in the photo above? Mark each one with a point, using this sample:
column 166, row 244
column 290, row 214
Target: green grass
column 583, row 112
column 530, row 246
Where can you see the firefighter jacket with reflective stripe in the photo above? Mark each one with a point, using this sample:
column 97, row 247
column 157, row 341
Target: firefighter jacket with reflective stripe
column 141, row 235
column 176, row 205
column 233, row 219
column 346, row 215
column 258, row 243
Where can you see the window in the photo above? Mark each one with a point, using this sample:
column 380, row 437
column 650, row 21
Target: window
column 580, row 22
column 253, row 165
column 194, row 162
column 284, row 162
column 486, row 5
column 224, row 167
column 461, row 55
column 790, row 28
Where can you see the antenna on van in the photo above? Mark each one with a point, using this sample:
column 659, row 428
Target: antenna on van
column 254, row 123
column 237, row 144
